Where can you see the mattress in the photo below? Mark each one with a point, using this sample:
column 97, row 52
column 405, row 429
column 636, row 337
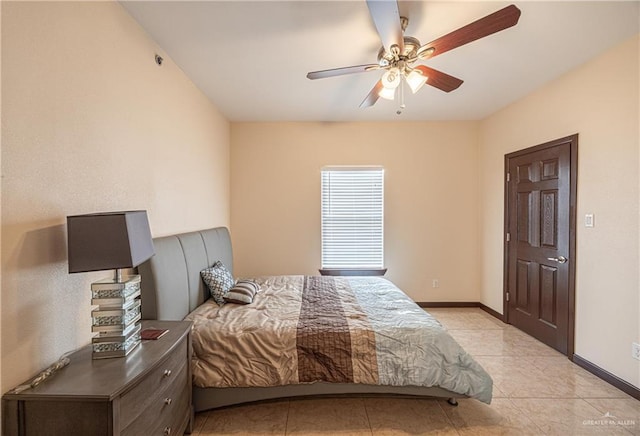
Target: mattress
column 308, row 329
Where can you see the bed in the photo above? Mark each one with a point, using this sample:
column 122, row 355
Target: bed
column 278, row 346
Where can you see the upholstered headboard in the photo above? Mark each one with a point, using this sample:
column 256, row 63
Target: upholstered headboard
column 171, row 283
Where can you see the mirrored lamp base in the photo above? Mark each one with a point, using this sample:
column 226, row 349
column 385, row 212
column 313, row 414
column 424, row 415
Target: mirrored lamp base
column 116, row 319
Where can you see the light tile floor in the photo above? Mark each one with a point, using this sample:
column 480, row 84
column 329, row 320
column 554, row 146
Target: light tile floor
column 537, row 391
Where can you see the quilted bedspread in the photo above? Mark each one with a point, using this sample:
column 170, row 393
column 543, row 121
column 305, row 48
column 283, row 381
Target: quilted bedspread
column 305, row 329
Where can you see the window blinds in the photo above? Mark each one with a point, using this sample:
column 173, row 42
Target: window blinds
column 352, row 217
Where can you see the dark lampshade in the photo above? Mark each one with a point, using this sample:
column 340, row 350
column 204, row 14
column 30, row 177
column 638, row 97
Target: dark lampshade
column 110, row 240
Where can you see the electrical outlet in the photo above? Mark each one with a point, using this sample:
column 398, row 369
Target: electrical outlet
column 435, row 284
column 635, row 350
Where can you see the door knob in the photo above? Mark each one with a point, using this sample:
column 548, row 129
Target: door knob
column 559, row 259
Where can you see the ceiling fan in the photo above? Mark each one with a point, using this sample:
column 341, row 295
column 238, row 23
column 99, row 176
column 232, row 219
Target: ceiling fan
column 399, row 53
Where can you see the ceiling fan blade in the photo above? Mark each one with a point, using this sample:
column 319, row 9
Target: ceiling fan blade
column 439, row 80
column 386, row 17
column 342, row 71
column 373, row 96
column 500, row 20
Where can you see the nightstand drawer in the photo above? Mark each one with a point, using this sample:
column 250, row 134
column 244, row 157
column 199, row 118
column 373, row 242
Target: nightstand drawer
column 165, row 413
column 170, row 373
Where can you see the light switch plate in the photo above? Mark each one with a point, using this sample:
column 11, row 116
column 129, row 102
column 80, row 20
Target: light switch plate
column 635, row 350
column 588, row 220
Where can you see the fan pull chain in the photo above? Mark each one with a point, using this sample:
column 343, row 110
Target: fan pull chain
column 402, row 105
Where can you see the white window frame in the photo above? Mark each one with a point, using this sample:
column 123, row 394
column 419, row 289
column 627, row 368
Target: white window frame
column 352, row 218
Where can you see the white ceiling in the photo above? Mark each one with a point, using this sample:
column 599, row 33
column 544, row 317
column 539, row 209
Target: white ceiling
column 251, row 58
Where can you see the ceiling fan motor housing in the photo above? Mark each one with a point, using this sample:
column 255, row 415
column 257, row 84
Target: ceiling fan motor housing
column 409, row 54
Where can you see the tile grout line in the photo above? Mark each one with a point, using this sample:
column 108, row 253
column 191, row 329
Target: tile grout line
column 455, row 428
column 204, row 423
column 536, row 426
column 366, row 413
column 524, row 414
column 286, row 421
column 198, row 431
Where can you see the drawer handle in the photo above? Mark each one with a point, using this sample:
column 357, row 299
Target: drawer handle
column 167, row 373
column 167, row 431
column 167, row 401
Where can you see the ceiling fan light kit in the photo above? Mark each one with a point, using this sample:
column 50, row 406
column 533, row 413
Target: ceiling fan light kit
column 391, row 79
column 399, row 52
column 416, row 80
column 387, row 93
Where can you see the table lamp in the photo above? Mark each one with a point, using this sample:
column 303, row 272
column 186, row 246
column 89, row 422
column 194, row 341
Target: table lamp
column 111, row 240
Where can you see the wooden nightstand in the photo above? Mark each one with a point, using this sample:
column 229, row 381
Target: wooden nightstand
column 146, row 393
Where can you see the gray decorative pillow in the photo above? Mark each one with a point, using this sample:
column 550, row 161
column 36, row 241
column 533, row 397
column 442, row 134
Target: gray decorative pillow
column 219, row 280
column 242, row 293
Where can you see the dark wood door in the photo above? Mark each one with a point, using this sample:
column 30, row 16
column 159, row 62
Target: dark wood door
column 540, row 241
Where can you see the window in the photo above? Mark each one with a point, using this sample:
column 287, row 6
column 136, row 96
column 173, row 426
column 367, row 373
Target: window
column 352, row 218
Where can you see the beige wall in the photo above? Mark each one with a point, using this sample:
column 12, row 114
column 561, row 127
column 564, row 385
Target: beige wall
column 599, row 101
column 90, row 123
column 430, row 177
